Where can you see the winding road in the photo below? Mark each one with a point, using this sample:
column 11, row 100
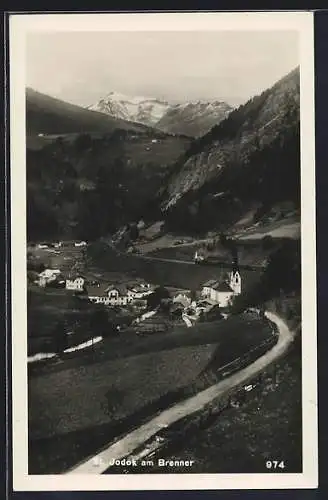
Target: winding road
column 99, row 463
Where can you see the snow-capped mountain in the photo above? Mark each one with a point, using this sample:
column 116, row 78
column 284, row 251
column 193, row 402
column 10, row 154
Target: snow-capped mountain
column 137, row 109
column 193, row 118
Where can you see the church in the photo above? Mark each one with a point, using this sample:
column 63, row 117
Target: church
column 222, row 292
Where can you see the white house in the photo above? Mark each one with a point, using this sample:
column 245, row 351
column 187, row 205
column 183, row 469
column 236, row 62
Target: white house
column 75, row 284
column 222, row 293
column 207, row 287
column 108, row 295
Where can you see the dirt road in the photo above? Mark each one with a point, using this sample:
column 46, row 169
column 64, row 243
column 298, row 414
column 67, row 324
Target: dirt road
column 125, row 446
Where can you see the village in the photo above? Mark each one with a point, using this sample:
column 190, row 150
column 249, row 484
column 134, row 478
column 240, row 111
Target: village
column 154, row 306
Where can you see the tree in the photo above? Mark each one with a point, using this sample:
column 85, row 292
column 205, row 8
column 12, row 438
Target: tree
column 99, row 320
column 155, row 298
column 267, row 242
column 83, row 142
column 60, row 336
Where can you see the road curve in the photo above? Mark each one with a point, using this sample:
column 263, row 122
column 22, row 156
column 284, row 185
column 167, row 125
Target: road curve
column 125, row 446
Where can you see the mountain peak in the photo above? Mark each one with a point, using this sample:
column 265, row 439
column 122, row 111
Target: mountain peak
column 191, row 118
column 145, row 110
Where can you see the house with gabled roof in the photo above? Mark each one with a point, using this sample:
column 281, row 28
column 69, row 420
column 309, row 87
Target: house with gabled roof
column 108, row 294
column 139, row 290
column 207, row 287
column 75, row 283
column 222, row 291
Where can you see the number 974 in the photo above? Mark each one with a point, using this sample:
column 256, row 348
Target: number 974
column 275, row 464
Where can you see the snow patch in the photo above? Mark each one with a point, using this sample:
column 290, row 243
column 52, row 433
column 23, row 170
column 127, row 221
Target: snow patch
column 47, row 355
column 88, row 343
column 40, row 356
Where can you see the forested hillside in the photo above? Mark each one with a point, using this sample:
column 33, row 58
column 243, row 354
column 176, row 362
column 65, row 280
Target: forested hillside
column 250, row 159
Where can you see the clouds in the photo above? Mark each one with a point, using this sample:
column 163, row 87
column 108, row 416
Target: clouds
column 82, row 66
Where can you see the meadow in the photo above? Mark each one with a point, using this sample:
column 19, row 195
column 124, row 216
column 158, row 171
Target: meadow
column 77, row 406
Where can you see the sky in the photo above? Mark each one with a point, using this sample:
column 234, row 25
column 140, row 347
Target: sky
column 82, row 67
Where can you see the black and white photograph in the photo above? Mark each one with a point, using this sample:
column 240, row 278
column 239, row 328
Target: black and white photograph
column 163, row 251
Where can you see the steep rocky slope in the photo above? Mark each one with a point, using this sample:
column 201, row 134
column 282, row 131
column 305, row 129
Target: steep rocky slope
column 251, row 159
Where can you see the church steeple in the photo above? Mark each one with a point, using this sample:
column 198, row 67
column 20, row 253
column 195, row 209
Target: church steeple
column 235, row 277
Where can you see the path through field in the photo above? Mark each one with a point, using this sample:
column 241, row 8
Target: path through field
column 99, row 463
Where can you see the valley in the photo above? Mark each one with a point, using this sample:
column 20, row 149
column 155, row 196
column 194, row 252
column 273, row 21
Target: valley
column 163, row 266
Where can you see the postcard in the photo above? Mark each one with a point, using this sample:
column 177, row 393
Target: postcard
column 163, row 251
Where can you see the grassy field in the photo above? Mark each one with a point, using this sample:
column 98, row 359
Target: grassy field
column 52, row 311
column 267, row 427
column 76, row 407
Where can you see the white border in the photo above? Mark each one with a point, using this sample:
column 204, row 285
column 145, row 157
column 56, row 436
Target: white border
column 19, row 25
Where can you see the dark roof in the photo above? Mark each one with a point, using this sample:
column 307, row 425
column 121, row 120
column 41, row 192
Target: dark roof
column 204, row 302
column 137, row 288
column 97, row 291
column 210, row 283
column 186, row 293
column 121, row 288
column 176, row 306
column 75, row 276
column 222, row 287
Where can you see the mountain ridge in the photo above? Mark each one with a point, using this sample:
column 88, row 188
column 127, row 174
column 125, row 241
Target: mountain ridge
column 239, row 157
column 192, row 118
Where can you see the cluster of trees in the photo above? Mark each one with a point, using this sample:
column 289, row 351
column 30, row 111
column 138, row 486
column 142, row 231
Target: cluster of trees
column 116, row 193
column 281, row 275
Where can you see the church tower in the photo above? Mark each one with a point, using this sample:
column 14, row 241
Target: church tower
column 235, row 280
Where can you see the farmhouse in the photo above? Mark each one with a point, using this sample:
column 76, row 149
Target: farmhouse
column 108, row 295
column 207, row 287
column 76, row 283
column 139, row 291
